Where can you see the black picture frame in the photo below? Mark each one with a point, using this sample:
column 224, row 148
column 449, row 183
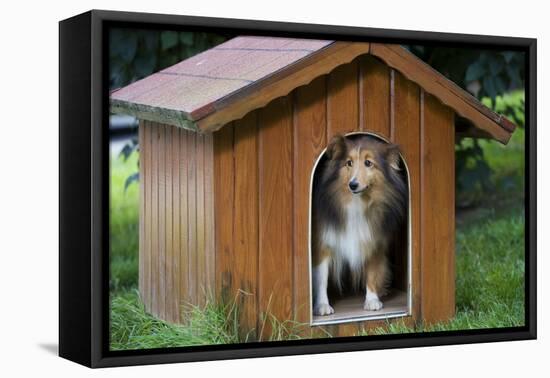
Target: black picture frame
column 84, row 184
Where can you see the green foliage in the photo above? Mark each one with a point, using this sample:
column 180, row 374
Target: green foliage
column 485, row 73
column 497, row 77
column 479, row 170
column 123, row 223
column 490, row 277
column 489, row 269
column 136, row 53
column 132, row 328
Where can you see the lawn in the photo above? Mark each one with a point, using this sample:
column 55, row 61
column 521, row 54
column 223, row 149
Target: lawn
column 489, row 266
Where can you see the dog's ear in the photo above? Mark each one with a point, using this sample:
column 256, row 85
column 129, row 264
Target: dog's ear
column 336, row 148
column 393, row 155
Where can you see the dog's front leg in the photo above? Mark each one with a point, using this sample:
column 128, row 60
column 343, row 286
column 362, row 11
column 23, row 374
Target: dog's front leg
column 320, row 284
column 377, row 273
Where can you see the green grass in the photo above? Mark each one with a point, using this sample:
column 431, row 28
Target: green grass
column 489, row 268
column 124, row 213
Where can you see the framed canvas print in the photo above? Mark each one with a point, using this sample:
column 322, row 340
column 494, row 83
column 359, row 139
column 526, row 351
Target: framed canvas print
column 233, row 188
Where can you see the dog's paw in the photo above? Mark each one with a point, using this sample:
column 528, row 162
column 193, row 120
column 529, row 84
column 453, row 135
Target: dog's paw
column 323, row 309
column 373, row 304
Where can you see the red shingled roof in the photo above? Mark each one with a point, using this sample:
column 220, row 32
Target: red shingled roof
column 193, row 84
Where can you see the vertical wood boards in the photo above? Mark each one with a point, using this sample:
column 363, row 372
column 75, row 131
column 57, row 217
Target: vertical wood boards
column 407, row 136
column 192, row 217
column 210, row 245
column 142, row 250
column 185, row 270
column 229, row 211
column 245, row 221
column 169, row 308
column 342, row 100
column 275, row 213
column 437, row 214
column 200, row 290
column 224, row 189
column 309, row 133
column 176, row 266
column 161, row 277
column 155, row 285
column 177, row 241
column 374, row 85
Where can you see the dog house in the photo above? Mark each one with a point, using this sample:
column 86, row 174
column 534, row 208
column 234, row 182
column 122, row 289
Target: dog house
column 230, row 141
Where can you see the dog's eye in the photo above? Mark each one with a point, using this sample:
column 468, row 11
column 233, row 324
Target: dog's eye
column 368, row 163
column 349, row 163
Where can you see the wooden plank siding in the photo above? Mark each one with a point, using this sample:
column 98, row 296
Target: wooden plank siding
column 277, row 147
column 177, row 220
column 407, row 118
column 310, row 139
column 275, row 214
column 245, row 222
column 226, row 215
column 438, row 211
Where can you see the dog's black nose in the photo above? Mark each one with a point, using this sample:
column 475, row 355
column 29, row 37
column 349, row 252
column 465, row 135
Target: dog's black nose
column 353, row 185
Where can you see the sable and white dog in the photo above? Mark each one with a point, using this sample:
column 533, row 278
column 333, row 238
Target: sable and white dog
column 359, row 200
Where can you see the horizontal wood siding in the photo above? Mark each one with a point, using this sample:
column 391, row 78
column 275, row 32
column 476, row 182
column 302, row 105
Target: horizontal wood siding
column 177, row 220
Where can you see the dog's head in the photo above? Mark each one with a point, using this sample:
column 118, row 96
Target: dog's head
column 364, row 163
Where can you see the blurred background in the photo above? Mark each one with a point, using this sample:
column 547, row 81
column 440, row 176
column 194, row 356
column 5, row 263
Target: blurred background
column 489, row 190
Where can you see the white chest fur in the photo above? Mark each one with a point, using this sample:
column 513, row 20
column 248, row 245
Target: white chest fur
column 354, row 243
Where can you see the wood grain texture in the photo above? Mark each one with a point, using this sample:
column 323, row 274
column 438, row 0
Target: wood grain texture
column 210, row 246
column 161, row 278
column 275, row 213
column 374, row 91
column 200, row 223
column 342, row 100
column 178, row 216
column 493, row 124
column 146, row 239
column 176, row 267
column 155, row 158
column 407, row 136
column 244, row 266
column 192, row 294
column 141, row 237
column 169, row 295
column 309, row 133
column 224, row 190
column 184, row 251
column 437, row 212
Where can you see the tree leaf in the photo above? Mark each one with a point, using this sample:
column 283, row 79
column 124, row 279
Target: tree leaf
column 168, row 39
column 474, row 72
column 489, row 87
column 130, row 179
column 496, row 64
column 186, row 38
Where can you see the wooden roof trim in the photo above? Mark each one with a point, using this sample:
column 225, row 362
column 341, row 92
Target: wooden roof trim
column 464, row 104
column 281, row 83
column 153, row 114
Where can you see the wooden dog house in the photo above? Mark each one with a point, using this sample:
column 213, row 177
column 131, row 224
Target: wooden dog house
column 229, row 141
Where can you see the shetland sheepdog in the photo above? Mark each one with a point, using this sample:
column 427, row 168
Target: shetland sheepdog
column 359, row 203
